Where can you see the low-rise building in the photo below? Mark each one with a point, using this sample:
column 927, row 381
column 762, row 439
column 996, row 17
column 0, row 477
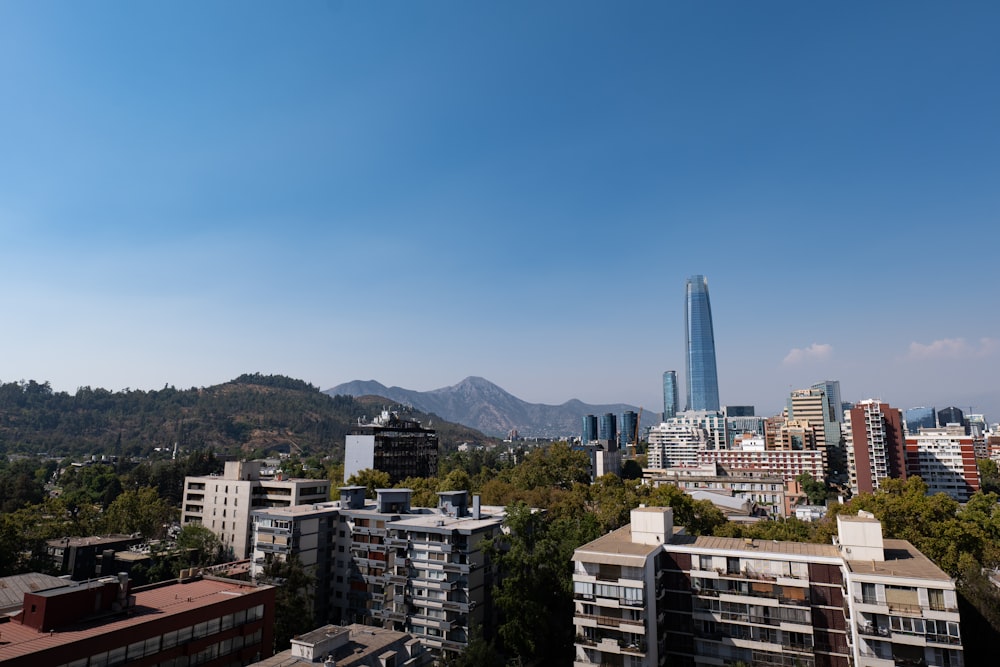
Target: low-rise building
column 104, row 623
column 353, row 645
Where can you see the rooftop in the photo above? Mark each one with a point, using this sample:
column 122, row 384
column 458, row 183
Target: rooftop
column 902, row 559
column 152, row 604
column 363, row 647
column 806, row 549
column 619, row 542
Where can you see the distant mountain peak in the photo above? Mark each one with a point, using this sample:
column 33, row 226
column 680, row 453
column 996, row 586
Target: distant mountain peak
column 478, row 403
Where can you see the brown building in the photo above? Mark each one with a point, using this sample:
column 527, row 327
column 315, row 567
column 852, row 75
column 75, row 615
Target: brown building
column 876, row 446
column 102, row 623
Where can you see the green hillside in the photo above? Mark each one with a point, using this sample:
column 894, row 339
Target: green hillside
column 253, row 414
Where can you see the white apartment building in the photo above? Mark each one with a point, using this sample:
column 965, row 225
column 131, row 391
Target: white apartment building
column 674, row 444
column 945, row 458
column 648, row 596
column 223, row 503
column 616, row 582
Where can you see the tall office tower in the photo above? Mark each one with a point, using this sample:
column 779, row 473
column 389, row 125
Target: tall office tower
column 832, row 390
column 951, row 415
column 918, row 418
column 876, row 448
column 702, row 376
column 629, row 431
column 669, row 394
column 815, row 407
column 589, row 429
column 738, row 411
column 607, row 428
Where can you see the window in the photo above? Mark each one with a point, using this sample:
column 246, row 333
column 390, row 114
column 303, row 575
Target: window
column 936, row 597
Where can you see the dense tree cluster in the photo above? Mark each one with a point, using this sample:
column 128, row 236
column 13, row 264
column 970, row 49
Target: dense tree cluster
column 252, row 414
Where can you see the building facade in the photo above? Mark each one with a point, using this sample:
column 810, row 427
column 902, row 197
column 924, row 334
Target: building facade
column 384, row 562
column 876, row 450
column 394, row 445
column 918, row 418
column 589, row 430
column 661, row 597
column 103, row 623
column 223, row 503
column 699, row 347
column 670, row 394
column 628, row 433
column 945, row 458
column 607, row 428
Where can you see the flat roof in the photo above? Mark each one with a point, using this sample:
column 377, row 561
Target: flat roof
column 13, row 588
column 755, row 546
column 364, row 644
column 94, row 540
column 902, row 559
column 152, row 604
column 617, row 542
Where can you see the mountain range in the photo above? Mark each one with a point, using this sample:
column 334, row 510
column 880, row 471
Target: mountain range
column 478, row 403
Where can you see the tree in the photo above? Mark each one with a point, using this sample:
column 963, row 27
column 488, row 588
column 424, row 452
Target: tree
column 478, row 652
column 371, row 479
column 534, row 593
column 556, row 465
column 205, row 543
column 699, row 517
column 293, row 609
column 815, row 490
column 141, row 511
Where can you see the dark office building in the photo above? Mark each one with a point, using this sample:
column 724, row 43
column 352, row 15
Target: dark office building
column 629, row 432
column 589, row 429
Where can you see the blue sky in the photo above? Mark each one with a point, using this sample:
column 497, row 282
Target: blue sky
column 415, row 192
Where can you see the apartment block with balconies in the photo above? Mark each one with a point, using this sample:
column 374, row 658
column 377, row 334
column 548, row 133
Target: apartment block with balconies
column 616, row 584
column 861, row 601
column 903, row 609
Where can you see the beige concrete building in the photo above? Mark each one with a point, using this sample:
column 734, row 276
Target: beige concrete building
column 223, row 503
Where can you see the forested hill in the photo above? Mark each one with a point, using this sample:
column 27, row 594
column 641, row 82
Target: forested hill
column 252, row 414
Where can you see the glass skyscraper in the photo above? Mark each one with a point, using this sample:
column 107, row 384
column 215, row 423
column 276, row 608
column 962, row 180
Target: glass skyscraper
column 589, row 429
column 702, row 376
column 628, row 432
column 669, row 395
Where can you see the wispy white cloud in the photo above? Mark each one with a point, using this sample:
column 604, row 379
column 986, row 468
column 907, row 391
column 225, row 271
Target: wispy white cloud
column 954, row 348
column 815, row 352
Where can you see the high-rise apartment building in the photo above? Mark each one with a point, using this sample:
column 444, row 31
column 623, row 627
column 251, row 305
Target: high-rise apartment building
column 649, row 595
column 384, row 562
column 702, row 375
column 876, row 449
column 669, row 394
column 945, row 458
column 223, row 503
column 394, row 445
column 589, row 431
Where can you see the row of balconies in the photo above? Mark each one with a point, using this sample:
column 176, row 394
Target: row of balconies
column 614, row 621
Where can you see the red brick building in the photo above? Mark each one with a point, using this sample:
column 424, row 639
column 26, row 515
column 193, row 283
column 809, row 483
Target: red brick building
column 102, row 623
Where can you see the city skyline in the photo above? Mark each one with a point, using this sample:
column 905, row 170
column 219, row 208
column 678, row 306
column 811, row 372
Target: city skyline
column 417, row 192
